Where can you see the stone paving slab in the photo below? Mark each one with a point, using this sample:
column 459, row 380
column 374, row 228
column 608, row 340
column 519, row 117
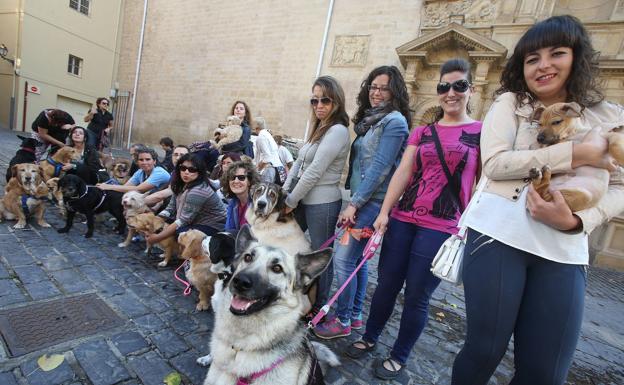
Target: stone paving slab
column 163, row 333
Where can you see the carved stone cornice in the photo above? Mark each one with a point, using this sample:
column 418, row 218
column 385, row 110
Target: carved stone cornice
column 613, row 67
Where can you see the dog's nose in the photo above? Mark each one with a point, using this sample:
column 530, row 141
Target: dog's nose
column 541, row 137
column 242, row 282
column 261, row 204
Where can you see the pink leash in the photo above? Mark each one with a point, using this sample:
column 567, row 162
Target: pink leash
column 369, row 251
column 187, row 289
column 333, row 237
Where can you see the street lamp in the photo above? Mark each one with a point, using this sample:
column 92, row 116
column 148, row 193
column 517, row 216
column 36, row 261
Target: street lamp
column 3, row 52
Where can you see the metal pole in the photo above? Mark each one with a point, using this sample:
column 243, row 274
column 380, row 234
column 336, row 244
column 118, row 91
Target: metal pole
column 330, row 11
column 136, row 75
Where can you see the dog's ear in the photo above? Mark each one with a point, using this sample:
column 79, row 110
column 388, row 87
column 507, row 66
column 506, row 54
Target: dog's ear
column 221, row 247
column 23, row 138
column 537, row 114
column 244, row 239
column 571, row 110
column 311, row 265
column 40, row 174
column 14, row 170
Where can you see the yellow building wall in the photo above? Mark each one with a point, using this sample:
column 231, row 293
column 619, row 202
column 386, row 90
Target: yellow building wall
column 9, row 20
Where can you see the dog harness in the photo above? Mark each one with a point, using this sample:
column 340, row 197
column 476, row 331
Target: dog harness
column 58, row 166
column 82, row 196
column 24, row 200
column 249, row 379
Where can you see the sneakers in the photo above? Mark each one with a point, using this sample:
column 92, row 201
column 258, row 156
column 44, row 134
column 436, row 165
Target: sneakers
column 332, row 328
column 357, row 323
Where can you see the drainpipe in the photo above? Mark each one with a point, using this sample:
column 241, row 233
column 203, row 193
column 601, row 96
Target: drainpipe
column 136, row 74
column 330, row 11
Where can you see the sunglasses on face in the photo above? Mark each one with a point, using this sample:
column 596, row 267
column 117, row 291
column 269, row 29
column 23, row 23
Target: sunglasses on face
column 460, row 86
column 190, row 169
column 324, row 100
column 104, row 103
column 241, row 178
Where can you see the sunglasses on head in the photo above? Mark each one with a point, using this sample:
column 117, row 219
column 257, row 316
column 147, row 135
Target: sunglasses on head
column 460, row 85
column 324, row 100
column 190, row 169
column 241, row 178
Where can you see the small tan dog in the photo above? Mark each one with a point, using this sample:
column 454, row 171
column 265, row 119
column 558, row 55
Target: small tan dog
column 148, row 223
column 56, row 194
column 230, row 133
column 119, row 171
column 25, row 194
column 51, row 166
column 583, row 187
column 198, row 273
column 133, row 203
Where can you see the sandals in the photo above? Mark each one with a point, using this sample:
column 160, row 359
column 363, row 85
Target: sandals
column 385, row 374
column 356, row 352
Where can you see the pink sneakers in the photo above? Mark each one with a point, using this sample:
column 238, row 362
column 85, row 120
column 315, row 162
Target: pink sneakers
column 332, row 328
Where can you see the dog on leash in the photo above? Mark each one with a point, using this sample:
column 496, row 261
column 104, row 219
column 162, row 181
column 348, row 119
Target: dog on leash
column 199, row 271
column 133, row 203
column 51, row 166
column 26, row 154
column 586, row 185
column 89, row 200
column 24, row 194
column 258, row 335
column 149, row 223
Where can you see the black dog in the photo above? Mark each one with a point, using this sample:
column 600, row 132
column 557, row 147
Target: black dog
column 89, row 200
column 26, row 154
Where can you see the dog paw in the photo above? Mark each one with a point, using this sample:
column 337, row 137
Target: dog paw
column 44, row 224
column 122, row 244
column 205, row 360
column 19, row 225
column 162, row 264
column 202, row 306
column 535, row 173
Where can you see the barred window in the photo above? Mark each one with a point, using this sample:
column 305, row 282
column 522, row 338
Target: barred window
column 74, row 65
column 81, row 6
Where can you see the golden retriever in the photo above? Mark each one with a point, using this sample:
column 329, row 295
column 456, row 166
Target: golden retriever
column 148, row 223
column 25, row 194
column 50, row 166
column 198, row 274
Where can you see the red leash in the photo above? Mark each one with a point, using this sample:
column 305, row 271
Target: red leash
column 369, row 251
column 187, row 289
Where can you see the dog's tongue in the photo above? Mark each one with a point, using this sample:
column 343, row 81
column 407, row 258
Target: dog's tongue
column 240, row 303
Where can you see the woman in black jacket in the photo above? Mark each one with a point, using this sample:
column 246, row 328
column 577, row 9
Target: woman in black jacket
column 89, row 164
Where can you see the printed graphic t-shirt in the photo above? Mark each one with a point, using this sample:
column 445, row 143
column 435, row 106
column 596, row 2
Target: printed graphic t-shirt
column 428, row 201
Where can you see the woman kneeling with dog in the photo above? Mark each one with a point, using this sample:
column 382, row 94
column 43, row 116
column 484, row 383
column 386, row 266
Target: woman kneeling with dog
column 525, row 258
column 194, row 204
column 429, row 209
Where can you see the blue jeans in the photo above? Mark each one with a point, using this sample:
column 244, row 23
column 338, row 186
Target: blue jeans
column 509, row 291
column 347, row 258
column 320, row 220
column 406, row 255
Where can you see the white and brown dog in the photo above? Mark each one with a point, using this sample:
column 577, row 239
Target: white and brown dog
column 133, row 203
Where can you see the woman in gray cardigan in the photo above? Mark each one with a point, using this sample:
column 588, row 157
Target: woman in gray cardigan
column 314, row 178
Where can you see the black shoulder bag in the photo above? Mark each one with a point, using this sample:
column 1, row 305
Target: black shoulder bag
column 454, row 188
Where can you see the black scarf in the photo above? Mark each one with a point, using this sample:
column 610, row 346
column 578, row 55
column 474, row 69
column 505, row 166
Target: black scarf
column 371, row 117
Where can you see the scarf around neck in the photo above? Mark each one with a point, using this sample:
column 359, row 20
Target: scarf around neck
column 371, row 117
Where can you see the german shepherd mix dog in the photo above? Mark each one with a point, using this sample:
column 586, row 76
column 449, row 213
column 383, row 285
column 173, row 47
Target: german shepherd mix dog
column 26, row 154
column 258, row 336
column 89, row 200
column 584, row 187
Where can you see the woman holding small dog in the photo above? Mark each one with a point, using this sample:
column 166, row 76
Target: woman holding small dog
column 243, row 145
column 236, row 183
column 524, row 267
column 89, row 164
column 429, row 209
column 381, row 128
column 194, row 204
column 314, row 178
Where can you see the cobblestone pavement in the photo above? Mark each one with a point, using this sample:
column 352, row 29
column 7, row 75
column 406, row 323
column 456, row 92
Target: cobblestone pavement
column 161, row 332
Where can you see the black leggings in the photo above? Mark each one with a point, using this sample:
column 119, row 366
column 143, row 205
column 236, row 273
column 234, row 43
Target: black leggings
column 509, row 291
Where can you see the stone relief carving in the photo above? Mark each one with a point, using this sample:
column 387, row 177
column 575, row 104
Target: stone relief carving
column 438, row 12
column 350, row 50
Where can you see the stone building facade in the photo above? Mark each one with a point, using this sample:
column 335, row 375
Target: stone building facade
column 198, row 57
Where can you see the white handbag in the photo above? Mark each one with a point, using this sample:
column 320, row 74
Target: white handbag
column 447, row 263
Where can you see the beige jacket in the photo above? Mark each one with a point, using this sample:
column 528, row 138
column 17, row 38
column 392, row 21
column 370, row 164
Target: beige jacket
column 506, row 141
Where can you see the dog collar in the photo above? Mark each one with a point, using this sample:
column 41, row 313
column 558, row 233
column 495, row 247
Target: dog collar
column 248, row 380
column 28, row 149
column 83, row 194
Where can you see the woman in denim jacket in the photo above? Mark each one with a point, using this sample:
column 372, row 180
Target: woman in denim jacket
column 381, row 126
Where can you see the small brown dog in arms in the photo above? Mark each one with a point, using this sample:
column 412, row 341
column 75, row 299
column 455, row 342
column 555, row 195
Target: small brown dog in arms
column 51, row 166
column 25, row 194
column 198, row 272
column 148, row 223
column 584, row 186
column 230, row 133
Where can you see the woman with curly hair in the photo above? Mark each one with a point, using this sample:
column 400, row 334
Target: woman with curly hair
column 243, row 145
column 525, row 259
column 194, row 204
column 381, row 128
column 236, row 184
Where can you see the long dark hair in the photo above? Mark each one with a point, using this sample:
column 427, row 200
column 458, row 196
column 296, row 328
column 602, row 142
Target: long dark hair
column 177, row 184
column 453, row 65
column 398, row 89
column 338, row 115
column 557, row 31
column 247, row 119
